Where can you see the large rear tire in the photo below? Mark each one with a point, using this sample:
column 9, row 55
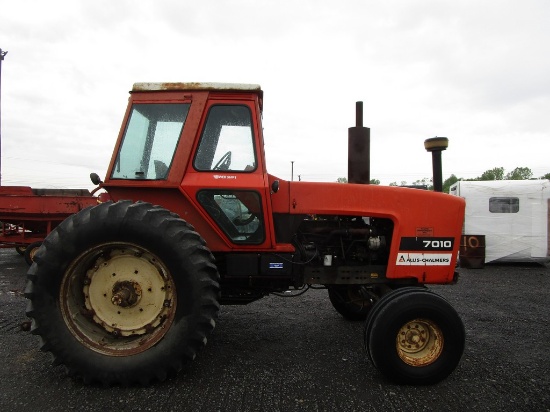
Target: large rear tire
column 123, row 293
column 416, row 338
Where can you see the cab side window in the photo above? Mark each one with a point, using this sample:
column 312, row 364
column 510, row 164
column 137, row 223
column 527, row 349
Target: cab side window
column 237, row 212
column 227, row 142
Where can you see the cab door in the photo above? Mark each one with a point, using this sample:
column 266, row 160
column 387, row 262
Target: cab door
column 226, row 177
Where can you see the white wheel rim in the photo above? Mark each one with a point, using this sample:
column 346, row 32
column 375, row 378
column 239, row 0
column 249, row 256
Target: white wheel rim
column 118, row 299
column 110, row 282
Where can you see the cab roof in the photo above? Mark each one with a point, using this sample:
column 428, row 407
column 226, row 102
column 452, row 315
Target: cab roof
column 197, row 86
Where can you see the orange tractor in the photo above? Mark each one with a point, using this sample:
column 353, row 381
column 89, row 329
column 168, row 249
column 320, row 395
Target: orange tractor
column 127, row 291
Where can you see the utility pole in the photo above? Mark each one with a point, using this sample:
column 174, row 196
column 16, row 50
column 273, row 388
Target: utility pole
column 2, row 54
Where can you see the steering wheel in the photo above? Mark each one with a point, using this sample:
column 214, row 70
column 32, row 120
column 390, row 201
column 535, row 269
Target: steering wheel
column 241, row 221
column 224, row 162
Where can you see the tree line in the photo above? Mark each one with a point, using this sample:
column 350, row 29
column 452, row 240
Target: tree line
column 497, row 173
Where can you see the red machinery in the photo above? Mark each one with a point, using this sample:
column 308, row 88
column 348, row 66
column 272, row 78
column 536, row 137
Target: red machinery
column 28, row 215
column 128, row 292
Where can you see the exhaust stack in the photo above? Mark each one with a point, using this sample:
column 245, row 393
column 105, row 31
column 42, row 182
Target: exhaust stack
column 359, row 149
column 436, row 145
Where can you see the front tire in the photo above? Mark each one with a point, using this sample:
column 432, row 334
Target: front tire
column 416, row 338
column 123, row 293
column 350, row 302
column 30, row 251
column 379, row 304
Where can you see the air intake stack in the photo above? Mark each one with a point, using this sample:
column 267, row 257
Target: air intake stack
column 436, row 145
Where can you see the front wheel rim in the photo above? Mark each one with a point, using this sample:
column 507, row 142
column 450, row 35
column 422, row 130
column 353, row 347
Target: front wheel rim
column 118, row 299
column 419, row 342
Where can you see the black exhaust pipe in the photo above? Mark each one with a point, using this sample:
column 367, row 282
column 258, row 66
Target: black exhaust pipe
column 359, row 149
column 436, row 145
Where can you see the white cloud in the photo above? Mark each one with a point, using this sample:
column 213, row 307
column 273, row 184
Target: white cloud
column 475, row 72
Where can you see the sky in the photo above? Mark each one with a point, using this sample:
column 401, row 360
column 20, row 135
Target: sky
column 476, row 72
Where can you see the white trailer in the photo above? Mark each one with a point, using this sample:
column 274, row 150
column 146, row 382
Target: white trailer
column 513, row 215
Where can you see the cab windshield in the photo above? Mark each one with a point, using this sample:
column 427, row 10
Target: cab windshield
column 149, row 142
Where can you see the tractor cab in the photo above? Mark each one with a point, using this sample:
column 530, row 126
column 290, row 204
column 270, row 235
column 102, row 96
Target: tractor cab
column 205, row 139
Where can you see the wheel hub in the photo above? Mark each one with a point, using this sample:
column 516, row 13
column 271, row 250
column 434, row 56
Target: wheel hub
column 419, row 342
column 127, row 293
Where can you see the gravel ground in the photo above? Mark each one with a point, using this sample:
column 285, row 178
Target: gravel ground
column 298, row 354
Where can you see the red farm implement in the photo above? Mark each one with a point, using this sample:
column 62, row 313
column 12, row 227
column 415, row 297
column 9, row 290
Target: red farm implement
column 28, row 215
